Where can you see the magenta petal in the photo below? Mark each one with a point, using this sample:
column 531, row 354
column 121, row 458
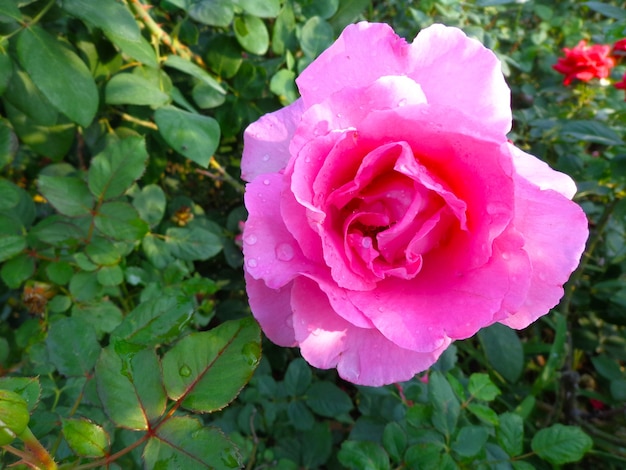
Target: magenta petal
column 266, row 141
column 270, row 251
column 555, row 232
column 272, row 309
column 361, row 355
column 540, row 174
column 459, row 73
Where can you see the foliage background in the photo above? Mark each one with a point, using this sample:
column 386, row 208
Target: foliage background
column 125, row 337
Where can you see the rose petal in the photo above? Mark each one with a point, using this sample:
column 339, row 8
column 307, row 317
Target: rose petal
column 540, row 174
column 555, row 232
column 270, row 251
column 459, row 73
column 272, row 309
column 453, row 70
column 362, row 356
column 266, row 141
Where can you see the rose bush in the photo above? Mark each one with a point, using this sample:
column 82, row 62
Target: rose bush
column 388, row 213
column 584, row 62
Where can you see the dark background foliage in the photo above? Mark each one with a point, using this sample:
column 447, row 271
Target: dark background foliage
column 125, row 336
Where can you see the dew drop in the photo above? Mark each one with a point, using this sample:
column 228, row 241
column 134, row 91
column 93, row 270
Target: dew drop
column 307, row 159
column 252, row 263
column 266, row 157
column 250, row 239
column 284, row 252
column 366, row 242
column 229, row 458
column 266, row 182
column 402, row 102
column 505, row 255
column 251, row 352
column 380, row 309
column 184, row 371
column 339, row 115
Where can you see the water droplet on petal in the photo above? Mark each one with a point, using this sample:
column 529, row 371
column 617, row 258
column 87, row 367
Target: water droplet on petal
column 380, row 309
column 184, row 371
column 252, row 263
column 284, row 252
column 366, row 242
column 402, row 102
column 266, row 182
column 266, row 157
column 250, row 239
column 307, row 159
column 506, row 255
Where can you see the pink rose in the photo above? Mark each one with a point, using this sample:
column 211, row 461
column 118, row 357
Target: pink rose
column 388, row 213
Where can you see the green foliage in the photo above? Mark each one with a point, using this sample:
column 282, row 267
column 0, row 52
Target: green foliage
column 125, row 339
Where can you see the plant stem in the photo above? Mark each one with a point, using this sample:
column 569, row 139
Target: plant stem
column 37, row 450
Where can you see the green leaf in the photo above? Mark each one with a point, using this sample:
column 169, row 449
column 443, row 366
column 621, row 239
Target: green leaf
column 14, row 416
column 212, row 12
column 591, row 131
column 117, row 167
column 481, row 387
column 252, row 34
column 326, row 399
column 348, row 12
column 608, row 10
column 156, row 321
column 110, row 275
column 503, row 350
column 192, row 243
column 157, row 251
column 484, row 413
column 130, row 88
column 26, row 97
column 300, row 416
column 28, row 388
column 52, row 66
column 6, row 70
column 192, row 69
column 59, row 272
column 470, row 440
column 446, row 406
column 264, row 9
column 283, row 85
column 607, row 367
column 363, row 455
column 102, row 251
column 17, row 270
column 150, row 202
column 297, row 377
column 284, row 31
column 85, row 438
column 72, row 346
column 317, row 446
column 182, row 442
column 560, row 444
column 84, row 286
column 8, row 143
column 10, row 9
column 69, row 195
column 510, row 433
column 423, row 456
column 130, row 387
column 394, row 441
column 316, row 36
column 224, row 56
column 192, row 135
column 120, row 221
column 103, row 315
column 140, row 49
column 322, row 8
column 49, row 141
column 11, row 245
column 206, row 370
column 108, row 15
column 206, row 97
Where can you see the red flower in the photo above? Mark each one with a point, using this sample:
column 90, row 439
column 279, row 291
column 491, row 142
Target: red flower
column 585, row 62
column 619, row 49
column 621, row 85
